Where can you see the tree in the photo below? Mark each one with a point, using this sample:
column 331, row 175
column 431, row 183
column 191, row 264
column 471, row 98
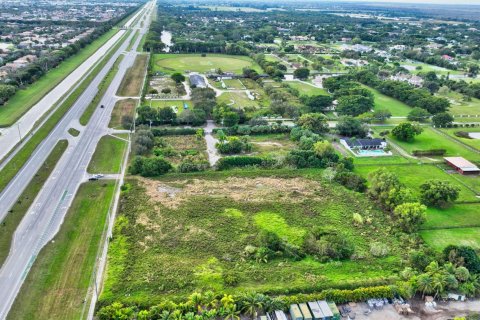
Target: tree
column 323, row 149
column 230, row 119
column 354, row 105
column 318, row 103
column 177, row 77
column 438, row 193
column 301, row 73
column 442, row 120
column 166, row 115
column 410, row 216
column 382, row 181
column 381, row 115
column 6, row 91
column 425, row 284
column 351, row 127
column 418, row 114
column 149, row 167
column 314, row 122
column 406, row 131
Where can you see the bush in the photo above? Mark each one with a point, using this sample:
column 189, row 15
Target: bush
column 351, row 181
column 328, row 245
column 173, row 132
column 431, row 152
column 462, row 134
column 149, row 167
column 378, row 249
column 239, row 161
column 193, row 165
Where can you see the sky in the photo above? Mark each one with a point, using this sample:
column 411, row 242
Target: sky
column 452, row 2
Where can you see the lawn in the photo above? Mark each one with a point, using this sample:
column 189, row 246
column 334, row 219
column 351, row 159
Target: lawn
column 108, row 155
column 177, row 235
column 61, row 276
column 271, row 145
column 396, row 107
column 305, row 89
column 458, row 215
column 439, row 239
column 459, row 106
column 26, row 198
column 178, row 105
column 415, row 174
column 24, row 99
column 430, row 139
column 237, row 100
column 234, row 84
column 475, row 143
column 122, row 108
column 132, row 82
column 170, row 63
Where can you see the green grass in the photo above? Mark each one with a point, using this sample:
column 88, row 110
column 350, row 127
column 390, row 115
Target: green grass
column 461, row 107
column 24, row 99
column 429, row 139
column 439, row 239
column 102, row 88
column 122, row 108
column 168, row 247
column 306, row 89
column 132, row 82
column 234, row 84
column 60, row 277
column 108, row 155
column 170, row 63
column 74, row 132
column 415, row 174
column 475, row 143
column 16, row 163
column 428, row 67
column 132, row 41
column 141, row 43
column 20, row 208
column 396, row 107
column 178, row 104
column 458, row 215
column 237, row 100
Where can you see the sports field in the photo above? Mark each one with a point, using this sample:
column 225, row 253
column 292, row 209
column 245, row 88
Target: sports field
column 170, row 63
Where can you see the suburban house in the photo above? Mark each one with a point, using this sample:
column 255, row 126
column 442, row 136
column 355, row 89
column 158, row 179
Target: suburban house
column 197, row 80
column 365, row 144
column 462, row 165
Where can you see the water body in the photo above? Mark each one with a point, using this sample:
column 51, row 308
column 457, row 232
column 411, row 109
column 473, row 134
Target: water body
column 166, row 38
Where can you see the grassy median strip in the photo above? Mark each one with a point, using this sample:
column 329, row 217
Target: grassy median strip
column 132, row 41
column 108, row 155
column 60, row 277
column 133, row 80
column 17, row 162
column 102, row 88
column 20, row 208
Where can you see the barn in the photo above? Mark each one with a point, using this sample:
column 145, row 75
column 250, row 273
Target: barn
column 462, row 165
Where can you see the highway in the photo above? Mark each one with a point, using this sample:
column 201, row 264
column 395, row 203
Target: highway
column 45, row 216
column 11, row 136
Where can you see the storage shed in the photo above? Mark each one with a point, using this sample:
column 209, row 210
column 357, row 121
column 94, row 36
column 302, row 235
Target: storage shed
column 316, row 311
column 462, row 165
column 280, row 315
column 327, row 313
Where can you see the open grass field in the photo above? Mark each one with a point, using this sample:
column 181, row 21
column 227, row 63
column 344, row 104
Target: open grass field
column 237, row 100
column 122, row 108
column 132, row 83
column 234, row 84
column 424, row 67
column 24, row 99
column 60, row 277
column 439, row 239
column 175, row 104
column 415, row 174
column 430, row 139
column 20, row 208
column 271, row 145
column 459, row 106
column 458, row 215
column 306, row 89
column 170, row 63
column 396, row 107
column 177, row 235
column 471, row 142
column 108, row 155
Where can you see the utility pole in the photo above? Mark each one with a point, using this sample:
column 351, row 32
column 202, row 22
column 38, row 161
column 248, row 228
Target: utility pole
column 19, row 134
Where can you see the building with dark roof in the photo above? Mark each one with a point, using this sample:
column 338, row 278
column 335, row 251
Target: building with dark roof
column 197, row 81
column 365, row 144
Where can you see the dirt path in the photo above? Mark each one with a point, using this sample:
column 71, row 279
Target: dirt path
column 213, row 155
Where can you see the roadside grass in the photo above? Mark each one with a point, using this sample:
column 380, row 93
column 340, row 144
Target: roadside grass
column 102, row 88
column 429, row 139
column 306, row 89
column 25, row 200
column 211, row 219
column 22, row 156
column 122, row 108
column 458, row 215
column 414, row 175
column 73, row 132
column 24, row 99
column 141, row 43
column 108, row 155
column 439, row 239
column 396, row 107
column 170, row 63
column 132, row 82
column 237, row 100
column 60, row 277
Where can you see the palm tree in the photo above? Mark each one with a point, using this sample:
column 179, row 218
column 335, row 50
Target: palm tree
column 232, row 313
column 196, row 300
column 227, row 301
column 425, row 284
column 439, row 282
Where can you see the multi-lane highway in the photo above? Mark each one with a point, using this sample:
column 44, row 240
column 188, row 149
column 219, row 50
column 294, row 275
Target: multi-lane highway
column 47, row 212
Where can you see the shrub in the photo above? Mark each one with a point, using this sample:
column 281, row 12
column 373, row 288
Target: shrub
column 239, row 161
column 462, row 134
column 351, row 181
column 431, row 152
column 438, row 193
column 357, row 219
column 149, row 167
column 191, row 164
column 328, row 244
column 173, row 132
column 378, row 249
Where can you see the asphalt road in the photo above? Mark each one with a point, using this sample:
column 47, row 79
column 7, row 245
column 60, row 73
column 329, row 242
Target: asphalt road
column 11, row 136
column 47, row 212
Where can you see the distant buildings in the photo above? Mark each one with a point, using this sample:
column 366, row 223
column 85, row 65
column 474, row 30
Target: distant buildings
column 412, row 79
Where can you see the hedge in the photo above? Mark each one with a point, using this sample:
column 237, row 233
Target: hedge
column 173, row 132
column 254, row 130
column 430, row 152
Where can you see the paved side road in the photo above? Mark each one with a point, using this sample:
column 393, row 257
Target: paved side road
column 47, row 212
column 10, row 137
